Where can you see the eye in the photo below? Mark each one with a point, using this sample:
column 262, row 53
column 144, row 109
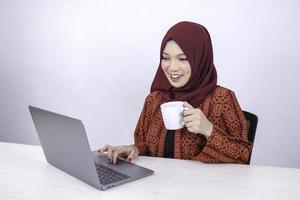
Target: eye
column 164, row 58
column 183, row 59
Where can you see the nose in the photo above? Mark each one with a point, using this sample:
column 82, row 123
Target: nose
column 173, row 66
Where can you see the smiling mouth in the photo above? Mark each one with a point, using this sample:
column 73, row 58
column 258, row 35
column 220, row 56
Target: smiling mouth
column 175, row 77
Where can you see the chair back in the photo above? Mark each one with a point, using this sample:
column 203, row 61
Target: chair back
column 251, row 126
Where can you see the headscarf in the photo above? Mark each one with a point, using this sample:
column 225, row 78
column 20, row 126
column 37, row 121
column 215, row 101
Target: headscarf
column 195, row 42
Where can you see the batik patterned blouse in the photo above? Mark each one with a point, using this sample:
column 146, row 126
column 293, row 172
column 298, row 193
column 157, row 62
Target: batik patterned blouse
column 228, row 142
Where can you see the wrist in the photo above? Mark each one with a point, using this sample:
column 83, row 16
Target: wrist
column 135, row 148
column 208, row 130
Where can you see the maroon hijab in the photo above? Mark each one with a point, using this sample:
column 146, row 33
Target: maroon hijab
column 195, row 42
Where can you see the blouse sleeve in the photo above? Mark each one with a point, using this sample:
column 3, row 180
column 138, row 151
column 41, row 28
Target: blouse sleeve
column 229, row 145
column 139, row 133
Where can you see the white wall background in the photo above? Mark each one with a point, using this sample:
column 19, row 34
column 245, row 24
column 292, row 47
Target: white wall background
column 95, row 60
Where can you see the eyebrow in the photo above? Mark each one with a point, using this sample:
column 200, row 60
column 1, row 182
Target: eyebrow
column 181, row 54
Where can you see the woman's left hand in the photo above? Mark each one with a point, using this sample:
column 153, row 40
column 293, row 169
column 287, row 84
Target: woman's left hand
column 195, row 121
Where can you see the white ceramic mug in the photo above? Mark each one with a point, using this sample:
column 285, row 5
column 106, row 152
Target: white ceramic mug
column 172, row 113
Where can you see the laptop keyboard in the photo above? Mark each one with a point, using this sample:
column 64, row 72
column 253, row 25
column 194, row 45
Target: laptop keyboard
column 107, row 175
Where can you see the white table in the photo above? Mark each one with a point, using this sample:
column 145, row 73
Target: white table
column 25, row 174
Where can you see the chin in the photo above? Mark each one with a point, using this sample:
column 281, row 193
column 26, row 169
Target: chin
column 177, row 85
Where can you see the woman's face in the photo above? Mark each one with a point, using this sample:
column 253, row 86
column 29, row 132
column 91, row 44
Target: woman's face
column 175, row 65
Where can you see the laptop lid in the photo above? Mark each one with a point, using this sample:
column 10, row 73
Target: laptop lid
column 65, row 144
column 66, row 147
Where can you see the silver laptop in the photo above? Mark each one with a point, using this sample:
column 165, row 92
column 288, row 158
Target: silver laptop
column 66, row 147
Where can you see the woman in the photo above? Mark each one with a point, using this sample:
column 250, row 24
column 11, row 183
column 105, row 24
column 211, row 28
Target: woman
column 216, row 129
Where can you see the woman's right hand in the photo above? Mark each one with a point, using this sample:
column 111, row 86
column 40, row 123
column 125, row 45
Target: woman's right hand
column 113, row 152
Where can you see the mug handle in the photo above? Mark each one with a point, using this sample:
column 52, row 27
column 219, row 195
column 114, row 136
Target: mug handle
column 184, row 108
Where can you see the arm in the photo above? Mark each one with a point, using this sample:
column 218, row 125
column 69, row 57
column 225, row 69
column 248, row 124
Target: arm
column 140, row 130
column 230, row 145
column 130, row 151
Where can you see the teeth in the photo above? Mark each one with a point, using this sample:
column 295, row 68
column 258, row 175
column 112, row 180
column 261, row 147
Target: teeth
column 175, row 76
